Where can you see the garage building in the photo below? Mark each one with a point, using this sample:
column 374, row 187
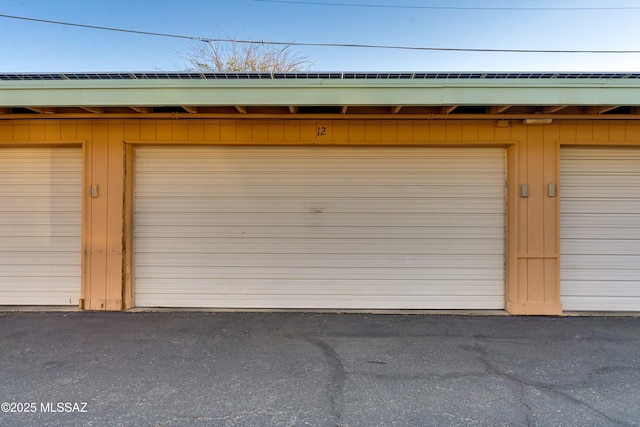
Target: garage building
column 364, row 191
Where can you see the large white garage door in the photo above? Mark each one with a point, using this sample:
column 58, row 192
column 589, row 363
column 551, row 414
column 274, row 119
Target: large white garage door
column 600, row 229
column 40, row 225
column 277, row 227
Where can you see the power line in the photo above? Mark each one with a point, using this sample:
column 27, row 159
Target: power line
column 97, row 27
column 334, row 45
column 387, row 6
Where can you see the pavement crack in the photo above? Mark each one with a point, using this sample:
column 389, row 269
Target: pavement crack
column 550, row 388
column 183, row 420
column 337, row 376
column 418, row 377
column 234, row 417
column 523, row 401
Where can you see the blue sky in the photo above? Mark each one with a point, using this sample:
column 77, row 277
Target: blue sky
column 38, row 47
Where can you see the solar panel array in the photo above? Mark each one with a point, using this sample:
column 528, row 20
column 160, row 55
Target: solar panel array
column 310, row 76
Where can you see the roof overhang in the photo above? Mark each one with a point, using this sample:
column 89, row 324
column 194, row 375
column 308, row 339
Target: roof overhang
column 340, row 94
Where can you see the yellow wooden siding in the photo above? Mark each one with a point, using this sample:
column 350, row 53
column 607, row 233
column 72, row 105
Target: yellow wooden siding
column 532, row 158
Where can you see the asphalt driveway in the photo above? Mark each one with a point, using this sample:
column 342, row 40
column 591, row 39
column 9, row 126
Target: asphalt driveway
column 296, row 369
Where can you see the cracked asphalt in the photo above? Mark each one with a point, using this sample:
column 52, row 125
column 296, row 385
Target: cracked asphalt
column 305, row 369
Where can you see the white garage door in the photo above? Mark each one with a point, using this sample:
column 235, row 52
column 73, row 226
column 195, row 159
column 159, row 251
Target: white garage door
column 40, row 226
column 600, row 229
column 277, row 227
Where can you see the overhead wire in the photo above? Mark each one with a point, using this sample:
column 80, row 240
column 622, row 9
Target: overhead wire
column 98, row 27
column 311, row 44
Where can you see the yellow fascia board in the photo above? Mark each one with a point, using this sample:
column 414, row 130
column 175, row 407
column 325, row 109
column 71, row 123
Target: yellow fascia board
column 353, row 92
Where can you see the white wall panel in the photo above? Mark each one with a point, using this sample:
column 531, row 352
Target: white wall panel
column 600, row 229
column 300, row 227
column 40, row 226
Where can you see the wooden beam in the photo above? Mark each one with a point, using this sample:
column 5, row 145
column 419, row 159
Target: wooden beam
column 42, row 110
column 191, row 110
column 448, row 110
column 600, row 109
column 499, row 109
column 293, row 109
column 396, row 109
column 142, row 110
column 5, row 110
column 95, row 110
column 604, row 109
column 554, row 109
column 241, row 109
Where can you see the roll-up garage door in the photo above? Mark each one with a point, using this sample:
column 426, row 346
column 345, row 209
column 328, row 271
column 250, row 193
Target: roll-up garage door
column 40, row 225
column 319, row 227
column 600, row 229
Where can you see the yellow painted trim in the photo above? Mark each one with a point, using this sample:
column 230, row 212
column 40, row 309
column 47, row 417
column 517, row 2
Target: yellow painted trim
column 128, row 250
column 537, row 256
column 85, row 293
column 363, row 144
column 43, row 144
column 537, row 309
column 608, row 144
column 511, row 222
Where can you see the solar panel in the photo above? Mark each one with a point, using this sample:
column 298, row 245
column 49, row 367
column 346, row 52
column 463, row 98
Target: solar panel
column 195, row 75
